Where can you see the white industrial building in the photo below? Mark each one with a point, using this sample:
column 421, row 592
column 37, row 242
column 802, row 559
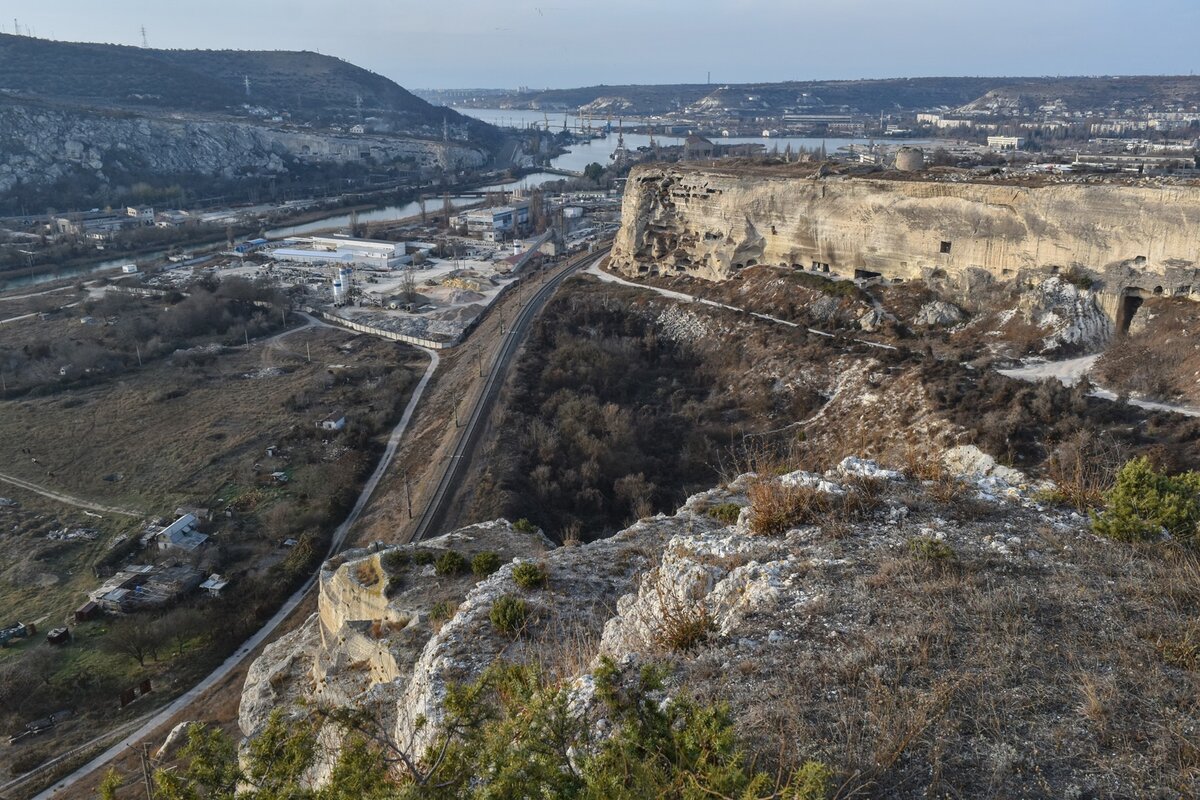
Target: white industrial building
column 494, row 223
column 336, row 250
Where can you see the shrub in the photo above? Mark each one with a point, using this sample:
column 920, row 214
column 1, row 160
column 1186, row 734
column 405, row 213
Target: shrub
column 528, row 575
column 424, row 557
column 508, row 614
column 524, row 526
column 450, row 563
column 1144, row 502
column 441, row 611
column 778, row 508
column 813, row 781
column 926, row 548
column 484, row 564
column 395, row 560
column 725, row 512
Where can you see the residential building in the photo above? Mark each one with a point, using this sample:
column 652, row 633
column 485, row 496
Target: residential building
column 182, row 535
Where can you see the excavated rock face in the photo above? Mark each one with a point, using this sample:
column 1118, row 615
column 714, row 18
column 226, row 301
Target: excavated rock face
column 712, row 222
column 40, row 145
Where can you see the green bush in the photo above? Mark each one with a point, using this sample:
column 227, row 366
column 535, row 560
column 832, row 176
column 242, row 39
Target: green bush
column 1144, row 502
column 442, row 610
column 484, row 564
column 725, row 512
column 395, row 560
column 450, row 563
column 424, row 557
column 926, row 548
column 524, row 526
column 528, row 575
column 508, row 614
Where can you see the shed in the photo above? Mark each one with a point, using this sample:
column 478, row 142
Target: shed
column 87, row 611
column 334, row 422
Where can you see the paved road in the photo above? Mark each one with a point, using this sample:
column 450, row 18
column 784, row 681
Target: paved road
column 433, row 519
column 231, row 663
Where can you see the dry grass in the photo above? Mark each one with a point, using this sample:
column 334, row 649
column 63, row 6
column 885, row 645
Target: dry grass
column 367, row 573
column 685, row 625
column 778, row 508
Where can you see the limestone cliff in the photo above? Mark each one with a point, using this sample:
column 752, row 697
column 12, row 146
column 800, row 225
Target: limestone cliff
column 40, row 144
column 894, row 635
column 711, row 221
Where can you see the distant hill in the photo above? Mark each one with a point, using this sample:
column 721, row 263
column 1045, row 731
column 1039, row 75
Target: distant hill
column 870, row 96
column 307, row 86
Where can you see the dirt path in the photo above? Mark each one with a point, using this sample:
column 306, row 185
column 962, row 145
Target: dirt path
column 1069, row 371
column 234, row 661
column 68, row 499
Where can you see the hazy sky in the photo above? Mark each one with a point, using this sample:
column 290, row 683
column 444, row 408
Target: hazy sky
column 507, row 43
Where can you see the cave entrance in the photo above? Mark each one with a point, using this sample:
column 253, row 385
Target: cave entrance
column 1130, row 303
column 865, row 273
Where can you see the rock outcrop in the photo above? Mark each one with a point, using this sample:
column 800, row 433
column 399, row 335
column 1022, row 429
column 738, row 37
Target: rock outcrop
column 890, row 626
column 40, row 144
column 712, row 221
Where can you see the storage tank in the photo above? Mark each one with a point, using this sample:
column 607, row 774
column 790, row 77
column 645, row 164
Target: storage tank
column 346, row 276
column 910, row 159
column 338, row 294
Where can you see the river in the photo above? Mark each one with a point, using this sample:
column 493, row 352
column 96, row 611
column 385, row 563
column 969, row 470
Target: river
column 601, row 150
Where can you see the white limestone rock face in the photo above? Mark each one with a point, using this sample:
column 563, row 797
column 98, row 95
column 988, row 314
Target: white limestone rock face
column 938, row 314
column 1069, row 315
column 40, row 146
column 710, row 221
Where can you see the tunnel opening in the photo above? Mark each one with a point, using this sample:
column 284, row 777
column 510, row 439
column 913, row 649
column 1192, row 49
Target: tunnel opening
column 1130, row 303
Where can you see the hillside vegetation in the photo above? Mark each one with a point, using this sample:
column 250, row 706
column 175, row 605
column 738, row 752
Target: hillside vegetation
column 114, row 76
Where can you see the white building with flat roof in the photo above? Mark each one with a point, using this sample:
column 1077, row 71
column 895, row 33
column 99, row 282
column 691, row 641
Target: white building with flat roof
column 367, row 253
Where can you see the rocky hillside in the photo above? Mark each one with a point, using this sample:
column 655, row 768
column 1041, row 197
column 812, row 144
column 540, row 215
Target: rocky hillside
column 303, row 84
column 872, row 96
column 41, row 145
column 712, row 222
column 81, row 123
column 938, row 632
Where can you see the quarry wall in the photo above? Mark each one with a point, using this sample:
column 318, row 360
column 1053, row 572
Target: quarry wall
column 710, row 222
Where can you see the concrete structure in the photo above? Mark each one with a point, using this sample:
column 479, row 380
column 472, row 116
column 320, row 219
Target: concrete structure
column 1006, row 142
column 365, row 253
column 697, row 147
column 910, row 159
column 497, row 222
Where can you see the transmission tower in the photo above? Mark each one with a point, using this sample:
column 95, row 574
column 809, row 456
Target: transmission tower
column 145, row 42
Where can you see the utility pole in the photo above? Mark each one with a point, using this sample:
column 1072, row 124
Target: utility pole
column 408, row 495
column 145, row 42
column 308, row 350
column 138, row 347
column 146, row 770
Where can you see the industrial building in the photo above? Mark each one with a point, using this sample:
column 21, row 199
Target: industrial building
column 335, row 250
column 497, row 222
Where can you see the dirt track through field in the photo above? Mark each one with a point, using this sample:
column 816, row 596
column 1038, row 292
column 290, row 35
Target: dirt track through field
column 68, row 499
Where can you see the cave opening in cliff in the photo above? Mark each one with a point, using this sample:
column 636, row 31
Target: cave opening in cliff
column 865, row 273
column 1130, row 303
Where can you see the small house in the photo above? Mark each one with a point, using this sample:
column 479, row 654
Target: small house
column 214, row 584
column 334, row 422
column 182, row 535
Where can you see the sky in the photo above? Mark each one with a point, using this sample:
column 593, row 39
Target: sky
column 566, row 43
